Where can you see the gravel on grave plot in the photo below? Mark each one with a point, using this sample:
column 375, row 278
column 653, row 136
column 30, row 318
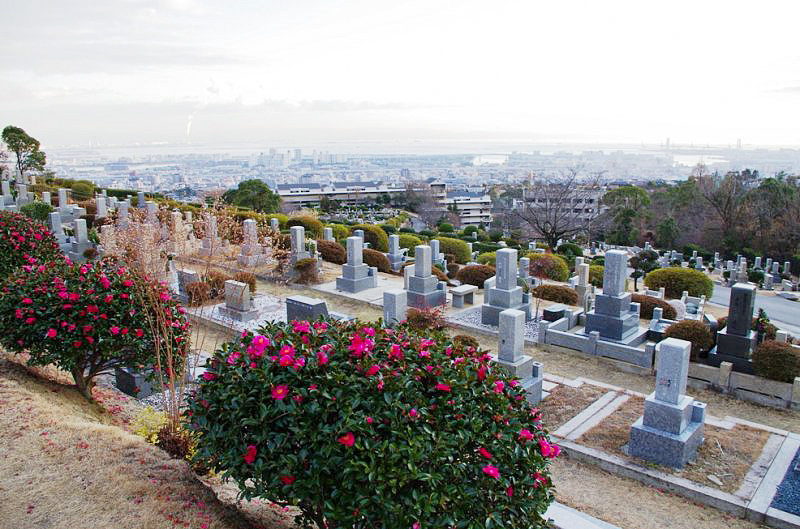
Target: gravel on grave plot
column 270, row 308
column 156, row 400
column 788, row 496
column 472, row 318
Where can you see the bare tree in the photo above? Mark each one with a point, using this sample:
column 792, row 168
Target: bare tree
column 560, row 206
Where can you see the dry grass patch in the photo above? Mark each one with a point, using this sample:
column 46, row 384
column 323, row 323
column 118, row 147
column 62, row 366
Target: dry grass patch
column 65, row 464
column 565, row 402
column 726, row 454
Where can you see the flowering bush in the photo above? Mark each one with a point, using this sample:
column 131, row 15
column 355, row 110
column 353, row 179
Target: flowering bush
column 87, row 319
column 366, row 427
column 24, row 241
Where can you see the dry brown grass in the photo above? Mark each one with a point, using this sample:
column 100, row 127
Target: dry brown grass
column 726, row 454
column 65, row 464
column 565, row 402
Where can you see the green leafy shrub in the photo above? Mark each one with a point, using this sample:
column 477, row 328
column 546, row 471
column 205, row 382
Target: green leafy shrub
column 407, row 230
column 376, row 237
column 495, row 235
column 355, row 428
column 777, row 361
column 596, row 275
column 88, row 318
column 37, row 210
column 487, row 258
column 23, row 241
column 557, row 293
column 283, row 220
column 677, row 280
column 409, row 241
column 755, row 276
column 569, row 248
column 446, row 227
column 332, row 251
column 312, row 225
column 469, row 230
column 378, row 260
column 692, row 331
column 475, row 275
column 427, row 233
column 648, row 303
column 482, row 247
column 340, row 231
column 549, row 266
column 388, row 228
column 457, row 247
column 82, row 190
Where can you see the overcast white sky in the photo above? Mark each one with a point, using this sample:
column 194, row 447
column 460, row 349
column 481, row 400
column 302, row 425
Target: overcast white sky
column 123, row 71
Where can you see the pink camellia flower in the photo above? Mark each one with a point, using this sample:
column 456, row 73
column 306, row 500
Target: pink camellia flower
column 164, row 296
column 482, row 373
column 233, row 357
column 415, row 526
column 114, row 330
column 369, row 420
column 369, row 331
column 30, row 320
column 287, row 350
column 525, row 435
column 287, row 480
column 513, row 383
column 510, row 491
column 27, row 301
column 395, row 352
column 347, row 439
column 301, row 326
column 499, row 386
column 485, row 453
column 548, row 450
column 128, row 283
column 139, row 333
column 413, row 413
column 442, row 387
column 299, row 362
column 491, row 470
column 321, row 326
column 280, row 392
column 322, row 358
column 208, row 375
column 538, row 479
column 373, row 370
column 51, row 333
column 312, row 387
column 250, row 456
column 286, row 360
column 424, row 353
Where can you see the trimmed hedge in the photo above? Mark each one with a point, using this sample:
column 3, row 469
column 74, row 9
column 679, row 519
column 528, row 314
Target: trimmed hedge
column 648, row 303
column 376, row 237
column 557, row 293
column 378, row 260
column 487, row 258
column 37, row 210
column 777, row 361
column 596, row 275
column 456, row 247
column 312, row 225
column 340, row 231
column 411, row 242
column 549, row 266
column 475, row 275
column 692, row 331
column 332, row 251
column 677, row 280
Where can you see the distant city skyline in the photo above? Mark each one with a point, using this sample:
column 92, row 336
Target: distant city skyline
column 124, row 72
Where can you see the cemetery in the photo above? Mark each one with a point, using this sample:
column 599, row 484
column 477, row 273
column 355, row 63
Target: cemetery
column 644, row 383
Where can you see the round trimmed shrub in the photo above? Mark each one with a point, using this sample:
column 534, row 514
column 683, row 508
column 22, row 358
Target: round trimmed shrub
column 282, row 219
column 692, row 331
column 88, row 318
column 351, row 424
column 37, row 210
column 23, row 241
column 557, row 293
column 677, row 280
column 570, row 248
column 376, row 237
column 487, row 258
column 777, row 361
column 446, row 227
column 596, row 275
column 332, row 251
column 469, row 230
column 378, row 260
column 340, row 231
column 549, row 266
column 457, row 247
column 475, row 275
column 312, row 225
column 409, row 241
column 388, row 228
column 648, row 303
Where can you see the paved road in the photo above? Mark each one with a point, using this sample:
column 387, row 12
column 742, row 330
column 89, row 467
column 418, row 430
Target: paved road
column 785, row 313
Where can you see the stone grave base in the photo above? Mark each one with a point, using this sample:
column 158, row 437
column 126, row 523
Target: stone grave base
column 238, row 315
column 633, row 339
column 665, row 448
column 427, row 300
column 490, row 314
column 354, row 286
column 741, row 364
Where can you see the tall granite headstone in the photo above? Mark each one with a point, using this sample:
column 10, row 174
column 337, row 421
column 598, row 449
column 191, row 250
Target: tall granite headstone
column 614, row 317
column 737, row 341
column 505, row 294
column 356, row 276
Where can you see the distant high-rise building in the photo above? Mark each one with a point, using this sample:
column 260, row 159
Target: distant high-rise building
column 298, row 156
column 739, row 144
column 405, row 173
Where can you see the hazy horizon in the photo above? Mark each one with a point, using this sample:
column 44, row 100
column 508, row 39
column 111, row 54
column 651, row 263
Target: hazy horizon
column 122, row 72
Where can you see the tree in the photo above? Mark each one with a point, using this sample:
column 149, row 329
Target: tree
column 626, row 206
column 327, row 204
column 560, row 207
column 726, row 196
column 667, row 233
column 643, row 263
column 253, row 194
column 26, row 149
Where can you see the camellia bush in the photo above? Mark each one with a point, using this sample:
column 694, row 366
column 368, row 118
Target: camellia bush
column 90, row 318
column 23, row 241
column 360, row 426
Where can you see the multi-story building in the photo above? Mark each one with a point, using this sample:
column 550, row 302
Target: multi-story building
column 309, row 194
column 472, row 207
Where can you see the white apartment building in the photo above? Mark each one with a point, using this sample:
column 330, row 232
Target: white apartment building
column 309, row 194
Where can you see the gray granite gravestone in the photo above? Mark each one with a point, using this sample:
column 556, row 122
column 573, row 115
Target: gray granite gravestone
column 304, row 308
column 424, row 289
column 63, row 201
column 396, row 254
column 46, row 198
column 511, row 354
column 102, row 210
column 671, row 428
column 736, row 342
column 274, row 224
column 395, row 306
column 356, row 276
column 505, row 294
column 776, row 266
column 56, row 228
column 140, row 200
column 327, row 234
column 251, row 252
column 614, row 317
column 211, row 243
column 238, row 305
column 185, row 278
column 80, row 242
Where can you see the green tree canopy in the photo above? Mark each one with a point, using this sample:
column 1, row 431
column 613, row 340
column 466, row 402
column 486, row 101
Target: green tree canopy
column 26, row 149
column 253, row 194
